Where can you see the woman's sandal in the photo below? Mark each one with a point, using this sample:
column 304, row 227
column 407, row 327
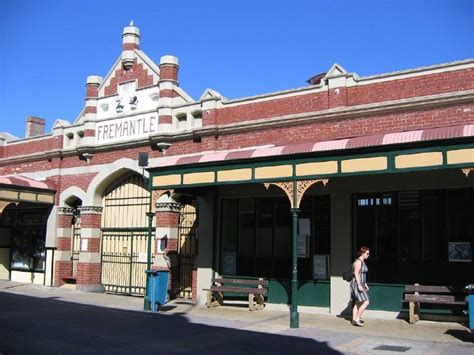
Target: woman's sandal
column 357, row 323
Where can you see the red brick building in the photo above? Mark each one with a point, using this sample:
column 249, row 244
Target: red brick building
column 383, row 161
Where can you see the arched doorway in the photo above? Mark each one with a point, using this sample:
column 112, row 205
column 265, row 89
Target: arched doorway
column 125, row 236
column 74, row 203
column 187, row 246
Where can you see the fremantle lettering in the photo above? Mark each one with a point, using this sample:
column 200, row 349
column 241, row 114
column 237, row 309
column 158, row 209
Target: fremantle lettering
column 125, row 128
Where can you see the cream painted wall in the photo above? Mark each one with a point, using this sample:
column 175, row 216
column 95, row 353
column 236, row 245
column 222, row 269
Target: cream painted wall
column 340, row 250
column 4, row 263
column 28, row 277
column 5, row 238
column 205, row 239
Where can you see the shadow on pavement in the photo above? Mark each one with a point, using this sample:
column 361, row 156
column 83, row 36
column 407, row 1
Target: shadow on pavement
column 31, row 325
column 463, row 335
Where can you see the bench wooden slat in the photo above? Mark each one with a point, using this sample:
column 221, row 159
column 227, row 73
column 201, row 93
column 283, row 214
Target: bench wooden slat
column 439, row 299
column 259, row 291
column 241, row 281
column 434, row 289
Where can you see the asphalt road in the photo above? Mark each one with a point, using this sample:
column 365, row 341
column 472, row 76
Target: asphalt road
column 47, row 326
column 33, row 325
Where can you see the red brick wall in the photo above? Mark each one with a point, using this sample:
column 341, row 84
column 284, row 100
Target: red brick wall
column 171, row 245
column 272, row 108
column 168, row 93
column 390, row 90
column 64, row 221
column 337, row 97
column 62, row 269
column 137, row 72
column 168, row 72
column 93, row 245
column 34, row 146
column 318, row 131
column 167, row 219
column 452, row 81
column 90, row 109
column 89, row 133
column 63, row 243
column 92, row 90
column 129, row 46
column 90, row 220
column 165, row 119
column 88, row 273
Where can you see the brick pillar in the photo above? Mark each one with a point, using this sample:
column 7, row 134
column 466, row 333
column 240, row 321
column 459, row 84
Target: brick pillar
column 169, row 67
column 62, row 256
column 166, row 241
column 89, row 266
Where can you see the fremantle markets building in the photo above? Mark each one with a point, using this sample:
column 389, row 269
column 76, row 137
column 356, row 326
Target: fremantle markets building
column 385, row 161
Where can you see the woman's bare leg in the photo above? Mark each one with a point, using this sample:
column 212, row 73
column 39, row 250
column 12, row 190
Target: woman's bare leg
column 355, row 310
column 361, row 309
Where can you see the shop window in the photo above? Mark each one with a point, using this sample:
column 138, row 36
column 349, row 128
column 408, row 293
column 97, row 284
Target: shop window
column 409, row 217
column 417, row 236
column 28, row 249
column 28, row 236
column 434, row 225
column 256, row 236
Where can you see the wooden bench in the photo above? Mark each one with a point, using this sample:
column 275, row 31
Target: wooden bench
column 255, row 289
column 440, row 295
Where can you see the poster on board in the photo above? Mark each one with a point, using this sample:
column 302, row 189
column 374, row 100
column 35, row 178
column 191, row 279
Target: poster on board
column 302, row 246
column 460, row 252
column 320, row 267
column 229, row 263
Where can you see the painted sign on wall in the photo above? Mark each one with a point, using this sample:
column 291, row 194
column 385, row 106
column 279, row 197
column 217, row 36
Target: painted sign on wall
column 126, row 128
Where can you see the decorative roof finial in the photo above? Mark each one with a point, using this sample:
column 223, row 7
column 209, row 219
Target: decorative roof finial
column 131, row 23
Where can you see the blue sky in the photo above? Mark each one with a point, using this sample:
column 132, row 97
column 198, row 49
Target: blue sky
column 239, row 48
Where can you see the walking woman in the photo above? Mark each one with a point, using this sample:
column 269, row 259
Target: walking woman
column 359, row 288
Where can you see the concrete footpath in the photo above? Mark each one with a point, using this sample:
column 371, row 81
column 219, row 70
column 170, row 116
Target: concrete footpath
column 377, row 336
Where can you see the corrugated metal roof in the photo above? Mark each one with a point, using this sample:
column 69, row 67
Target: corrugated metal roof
column 339, row 144
column 21, row 181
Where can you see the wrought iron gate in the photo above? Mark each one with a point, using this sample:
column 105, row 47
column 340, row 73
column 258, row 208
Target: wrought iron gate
column 125, row 236
column 124, row 255
column 187, row 248
column 75, row 243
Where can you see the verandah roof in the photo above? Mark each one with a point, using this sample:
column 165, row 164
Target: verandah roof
column 425, row 135
column 17, row 188
column 295, row 161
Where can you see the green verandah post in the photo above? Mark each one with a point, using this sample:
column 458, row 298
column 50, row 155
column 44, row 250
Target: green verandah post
column 294, row 317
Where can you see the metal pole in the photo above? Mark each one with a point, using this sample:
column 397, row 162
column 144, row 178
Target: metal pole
column 294, row 317
column 150, row 215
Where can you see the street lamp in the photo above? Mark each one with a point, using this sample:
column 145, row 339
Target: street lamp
column 143, row 162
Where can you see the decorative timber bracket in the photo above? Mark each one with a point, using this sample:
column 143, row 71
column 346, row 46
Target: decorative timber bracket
column 301, row 187
column 4, row 204
column 466, row 171
column 156, row 194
